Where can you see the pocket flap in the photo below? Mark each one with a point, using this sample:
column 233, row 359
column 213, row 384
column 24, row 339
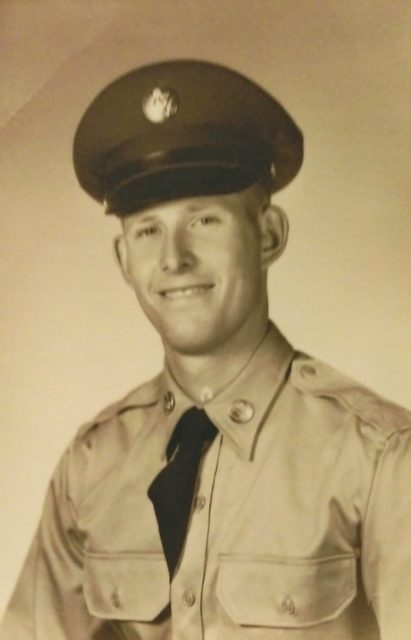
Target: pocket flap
column 126, row 586
column 276, row 592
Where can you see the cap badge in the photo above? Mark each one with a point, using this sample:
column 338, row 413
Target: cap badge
column 160, row 105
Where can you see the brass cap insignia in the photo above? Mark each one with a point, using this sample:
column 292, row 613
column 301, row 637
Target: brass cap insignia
column 160, row 105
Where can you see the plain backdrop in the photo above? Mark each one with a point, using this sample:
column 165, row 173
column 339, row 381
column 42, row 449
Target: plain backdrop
column 72, row 337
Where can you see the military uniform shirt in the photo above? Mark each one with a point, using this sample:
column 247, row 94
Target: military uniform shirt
column 300, row 527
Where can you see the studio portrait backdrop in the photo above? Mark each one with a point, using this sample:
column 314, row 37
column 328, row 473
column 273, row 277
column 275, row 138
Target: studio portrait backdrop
column 73, row 338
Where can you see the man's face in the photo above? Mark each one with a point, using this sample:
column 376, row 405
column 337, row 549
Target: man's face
column 196, row 268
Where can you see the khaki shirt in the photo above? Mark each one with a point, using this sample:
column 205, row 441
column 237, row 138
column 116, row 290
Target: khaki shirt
column 300, row 529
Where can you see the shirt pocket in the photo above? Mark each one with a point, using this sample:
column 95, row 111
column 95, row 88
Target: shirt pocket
column 282, row 592
column 126, row 586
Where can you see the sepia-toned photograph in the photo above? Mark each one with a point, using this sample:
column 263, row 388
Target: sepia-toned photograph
column 206, row 303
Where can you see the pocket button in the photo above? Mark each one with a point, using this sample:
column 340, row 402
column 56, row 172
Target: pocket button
column 288, row 606
column 115, row 599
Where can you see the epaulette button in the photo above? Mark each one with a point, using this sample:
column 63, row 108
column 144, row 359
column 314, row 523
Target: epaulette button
column 308, row 370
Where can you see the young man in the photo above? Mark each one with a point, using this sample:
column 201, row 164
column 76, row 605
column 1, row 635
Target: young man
column 248, row 492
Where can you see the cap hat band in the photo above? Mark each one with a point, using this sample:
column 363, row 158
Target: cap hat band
column 222, row 169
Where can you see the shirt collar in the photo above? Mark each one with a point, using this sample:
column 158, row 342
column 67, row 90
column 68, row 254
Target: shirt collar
column 239, row 410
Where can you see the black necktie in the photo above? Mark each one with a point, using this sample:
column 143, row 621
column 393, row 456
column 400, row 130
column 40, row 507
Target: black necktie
column 171, row 491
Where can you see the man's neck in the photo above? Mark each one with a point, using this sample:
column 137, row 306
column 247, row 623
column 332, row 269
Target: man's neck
column 203, row 376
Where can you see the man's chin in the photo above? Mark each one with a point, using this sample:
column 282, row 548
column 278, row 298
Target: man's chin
column 190, row 343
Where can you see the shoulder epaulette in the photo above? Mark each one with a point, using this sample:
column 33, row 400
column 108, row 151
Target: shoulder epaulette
column 146, row 395
column 318, row 379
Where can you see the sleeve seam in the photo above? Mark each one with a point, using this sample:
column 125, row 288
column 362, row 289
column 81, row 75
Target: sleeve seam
column 365, row 538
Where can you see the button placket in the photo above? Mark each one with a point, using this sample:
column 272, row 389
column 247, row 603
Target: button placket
column 188, row 580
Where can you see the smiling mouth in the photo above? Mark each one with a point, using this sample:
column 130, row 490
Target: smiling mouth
column 185, row 292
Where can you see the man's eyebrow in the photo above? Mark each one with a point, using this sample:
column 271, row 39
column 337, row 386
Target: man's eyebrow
column 197, row 206
column 191, row 208
column 143, row 218
column 203, row 208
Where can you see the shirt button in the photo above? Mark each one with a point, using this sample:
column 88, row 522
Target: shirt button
column 308, row 370
column 189, row 598
column 241, row 411
column 169, row 402
column 200, row 502
column 206, row 394
column 288, row 606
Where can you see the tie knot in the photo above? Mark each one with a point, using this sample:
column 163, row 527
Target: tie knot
column 192, row 430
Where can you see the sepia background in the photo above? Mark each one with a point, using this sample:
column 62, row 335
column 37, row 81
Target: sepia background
column 72, row 337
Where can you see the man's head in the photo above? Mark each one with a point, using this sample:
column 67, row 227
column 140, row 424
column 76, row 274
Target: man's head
column 198, row 265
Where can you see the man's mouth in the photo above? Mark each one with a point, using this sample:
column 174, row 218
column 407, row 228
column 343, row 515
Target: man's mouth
column 185, row 292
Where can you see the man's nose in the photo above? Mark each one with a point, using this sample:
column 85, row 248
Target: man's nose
column 176, row 255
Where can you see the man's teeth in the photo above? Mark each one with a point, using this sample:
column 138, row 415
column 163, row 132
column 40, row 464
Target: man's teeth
column 184, row 293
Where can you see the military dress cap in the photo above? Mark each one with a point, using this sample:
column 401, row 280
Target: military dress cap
column 182, row 128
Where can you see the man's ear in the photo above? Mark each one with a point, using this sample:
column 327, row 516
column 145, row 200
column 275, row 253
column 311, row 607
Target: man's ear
column 120, row 252
column 274, row 233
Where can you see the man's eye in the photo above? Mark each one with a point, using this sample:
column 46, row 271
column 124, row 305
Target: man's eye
column 205, row 221
column 146, row 232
